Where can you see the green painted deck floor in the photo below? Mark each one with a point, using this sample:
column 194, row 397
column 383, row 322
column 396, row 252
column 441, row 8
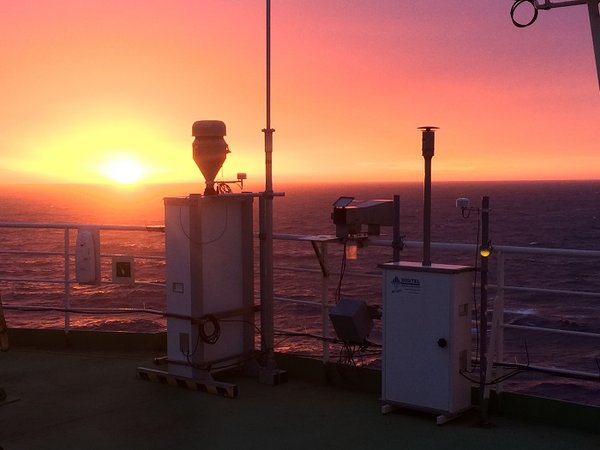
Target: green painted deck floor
column 94, row 400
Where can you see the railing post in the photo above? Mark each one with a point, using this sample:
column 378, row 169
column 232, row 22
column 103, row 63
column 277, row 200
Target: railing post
column 67, row 297
column 266, row 283
column 499, row 304
column 325, row 302
column 496, row 336
column 483, row 309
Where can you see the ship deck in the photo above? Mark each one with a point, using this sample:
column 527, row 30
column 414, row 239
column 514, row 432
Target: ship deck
column 91, row 398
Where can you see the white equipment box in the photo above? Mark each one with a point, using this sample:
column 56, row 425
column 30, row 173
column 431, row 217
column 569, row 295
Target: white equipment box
column 209, row 250
column 426, row 337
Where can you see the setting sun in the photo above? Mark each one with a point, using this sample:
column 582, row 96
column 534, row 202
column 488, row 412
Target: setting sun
column 123, row 170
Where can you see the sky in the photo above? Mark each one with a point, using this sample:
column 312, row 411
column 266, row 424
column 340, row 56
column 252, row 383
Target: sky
column 107, row 90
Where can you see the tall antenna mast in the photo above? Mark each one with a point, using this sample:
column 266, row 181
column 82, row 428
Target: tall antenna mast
column 269, row 374
column 268, row 130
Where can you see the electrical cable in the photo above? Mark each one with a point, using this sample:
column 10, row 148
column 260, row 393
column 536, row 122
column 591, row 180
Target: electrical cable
column 498, row 380
column 346, row 356
column 549, row 371
column 347, row 352
column 223, row 188
column 518, row 368
column 212, row 337
column 257, row 329
column 293, row 334
column 238, row 362
column 210, row 241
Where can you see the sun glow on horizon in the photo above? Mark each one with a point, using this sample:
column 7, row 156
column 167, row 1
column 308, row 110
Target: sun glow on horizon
column 123, row 169
column 80, row 107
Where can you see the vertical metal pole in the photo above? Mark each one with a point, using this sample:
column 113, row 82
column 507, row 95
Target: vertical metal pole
column 324, row 302
column 266, row 286
column 427, row 214
column 499, row 304
column 397, row 240
column 494, row 344
column 67, row 299
column 428, row 152
column 266, row 220
column 594, row 13
column 485, row 237
column 268, row 130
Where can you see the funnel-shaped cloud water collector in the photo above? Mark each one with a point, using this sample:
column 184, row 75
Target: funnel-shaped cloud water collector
column 210, row 150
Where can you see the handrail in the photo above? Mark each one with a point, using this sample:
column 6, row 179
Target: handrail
column 553, row 330
column 76, row 226
column 322, row 241
column 551, row 291
column 67, row 254
column 498, row 324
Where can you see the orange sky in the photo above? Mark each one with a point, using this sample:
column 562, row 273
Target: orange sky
column 88, row 83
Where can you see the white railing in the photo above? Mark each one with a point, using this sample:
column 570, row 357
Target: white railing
column 67, row 254
column 325, row 275
column 497, row 325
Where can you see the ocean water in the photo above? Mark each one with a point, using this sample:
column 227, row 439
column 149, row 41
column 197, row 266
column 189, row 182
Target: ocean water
column 558, row 214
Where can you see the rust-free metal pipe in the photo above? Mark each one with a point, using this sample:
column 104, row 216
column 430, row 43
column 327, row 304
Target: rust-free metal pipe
column 428, row 148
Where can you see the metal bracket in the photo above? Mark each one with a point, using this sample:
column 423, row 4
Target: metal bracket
column 593, row 12
column 320, row 258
